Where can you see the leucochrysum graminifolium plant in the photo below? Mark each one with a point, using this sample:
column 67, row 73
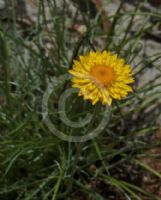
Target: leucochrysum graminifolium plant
column 102, row 77
column 36, row 165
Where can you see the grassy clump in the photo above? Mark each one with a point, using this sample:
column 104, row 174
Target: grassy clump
column 34, row 163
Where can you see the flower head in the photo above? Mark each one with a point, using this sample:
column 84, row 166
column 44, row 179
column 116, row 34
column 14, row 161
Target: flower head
column 102, row 77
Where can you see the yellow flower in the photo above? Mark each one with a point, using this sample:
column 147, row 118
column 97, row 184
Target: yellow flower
column 102, row 77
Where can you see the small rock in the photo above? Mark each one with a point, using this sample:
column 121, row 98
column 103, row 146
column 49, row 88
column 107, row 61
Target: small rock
column 2, row 4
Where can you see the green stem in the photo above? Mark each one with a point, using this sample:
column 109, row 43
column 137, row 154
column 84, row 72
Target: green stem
column 5, row 60
column 80, row 145
column 57, row 187
column 58, row 183
column 99, row 154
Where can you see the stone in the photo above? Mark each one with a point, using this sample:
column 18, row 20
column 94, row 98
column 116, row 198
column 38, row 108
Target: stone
column 2, row 4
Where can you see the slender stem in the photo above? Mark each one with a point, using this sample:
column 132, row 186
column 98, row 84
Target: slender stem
column 99, row 154
column 57, row 186
column 5, row 60
column 80, row 145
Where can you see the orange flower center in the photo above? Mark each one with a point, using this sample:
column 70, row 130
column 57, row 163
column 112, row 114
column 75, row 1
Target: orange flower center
column 102, row 74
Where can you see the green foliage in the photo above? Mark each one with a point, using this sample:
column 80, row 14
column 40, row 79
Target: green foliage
column 37, row 165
